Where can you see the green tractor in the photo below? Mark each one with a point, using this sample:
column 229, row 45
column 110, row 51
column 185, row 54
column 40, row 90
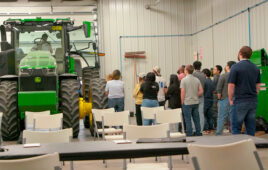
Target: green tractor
column 38, row 75
column 260, row 58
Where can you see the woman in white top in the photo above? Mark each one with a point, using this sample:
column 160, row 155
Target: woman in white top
column 115, row 92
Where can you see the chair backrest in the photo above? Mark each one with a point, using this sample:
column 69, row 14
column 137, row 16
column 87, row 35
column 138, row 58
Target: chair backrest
column 29, row 116
column 155, row 131
column 239, row 155
column 97, row 113
column 116, row 118
column 60, row 136
column 50, row 122
column 148, row 112
column 44, row 162
column 169, row 116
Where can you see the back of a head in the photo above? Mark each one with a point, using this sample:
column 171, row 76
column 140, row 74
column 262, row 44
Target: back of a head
column 190, row 69
column 174, row 79
column 206, row 72
column 230, row 64
column 197, row 65
column 116, row 75
column 245, row 52
column 150, row 77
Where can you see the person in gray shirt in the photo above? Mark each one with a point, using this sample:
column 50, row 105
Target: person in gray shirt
column 191, row 89
column 202, row 78
column 222, row 92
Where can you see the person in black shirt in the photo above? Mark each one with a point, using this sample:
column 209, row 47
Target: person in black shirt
column 150, row 90
column 208, row 101
column 174, row 93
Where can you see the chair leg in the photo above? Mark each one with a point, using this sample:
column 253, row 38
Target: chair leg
column 105, row 163
column 182, row 157
column 170, row 162
column 124, row 164
column 71, row 165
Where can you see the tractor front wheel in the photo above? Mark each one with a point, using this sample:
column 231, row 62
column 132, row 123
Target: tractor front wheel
column 70, row 105
column 9, row 108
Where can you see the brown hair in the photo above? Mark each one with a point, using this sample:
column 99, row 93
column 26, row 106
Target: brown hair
column 246, row 52
column 190, row 69
column 116, row 75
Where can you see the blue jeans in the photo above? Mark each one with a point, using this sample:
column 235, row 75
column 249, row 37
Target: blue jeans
column 191, row 111
column 117, row 103
column 149, row 103
column 208, row 114
column 245, row 112
column 224, row 112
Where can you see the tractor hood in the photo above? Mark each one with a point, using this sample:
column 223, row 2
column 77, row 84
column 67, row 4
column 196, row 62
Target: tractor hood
column 38, row 60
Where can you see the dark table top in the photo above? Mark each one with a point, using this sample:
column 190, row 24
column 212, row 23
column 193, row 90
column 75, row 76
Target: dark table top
column 98, row 150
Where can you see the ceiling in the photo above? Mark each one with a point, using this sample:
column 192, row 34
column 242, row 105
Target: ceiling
column 43, row 3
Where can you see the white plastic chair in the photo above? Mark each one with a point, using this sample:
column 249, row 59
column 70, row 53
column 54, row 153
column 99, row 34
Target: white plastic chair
column 173, row 116
column 47, row 122
column 134, row 132
column 149, row 112
column 97, row 117
column 43, row 137
column 29, row 116
column 44, row 162
column 116, row 119
column 240, row 155
column 59, row 136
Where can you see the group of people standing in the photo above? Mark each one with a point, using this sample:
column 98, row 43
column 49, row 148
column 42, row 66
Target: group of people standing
column 234, row 94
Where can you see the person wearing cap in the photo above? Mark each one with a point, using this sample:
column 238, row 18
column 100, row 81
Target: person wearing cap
column 161, row 96
column 43, row 45
column 137, row 94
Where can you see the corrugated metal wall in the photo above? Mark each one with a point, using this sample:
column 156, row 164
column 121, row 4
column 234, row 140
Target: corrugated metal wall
column 128, row 18
column 218, row 44
column 221, row 42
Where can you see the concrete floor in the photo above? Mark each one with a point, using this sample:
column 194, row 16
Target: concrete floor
column 178, row 163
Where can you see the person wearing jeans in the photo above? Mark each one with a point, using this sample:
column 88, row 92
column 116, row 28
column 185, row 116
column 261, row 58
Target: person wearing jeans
column 244, row 84
column 208, row 102
column 149, row 89
column 115, row 91
column 222, row 94
column 191, row 89
column 198, row 74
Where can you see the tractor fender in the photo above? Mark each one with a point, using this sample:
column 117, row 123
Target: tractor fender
column 67, row 76
column 9, row 77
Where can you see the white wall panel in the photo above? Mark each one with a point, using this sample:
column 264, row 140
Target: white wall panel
column 259, row 27
column 130, row 18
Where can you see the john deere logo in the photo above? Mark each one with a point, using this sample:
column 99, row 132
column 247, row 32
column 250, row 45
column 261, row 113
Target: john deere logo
column 37, row 79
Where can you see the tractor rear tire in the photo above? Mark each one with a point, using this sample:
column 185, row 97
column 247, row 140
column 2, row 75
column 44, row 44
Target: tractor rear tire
column 99, row 99
column 9, row 107
column 70, row 105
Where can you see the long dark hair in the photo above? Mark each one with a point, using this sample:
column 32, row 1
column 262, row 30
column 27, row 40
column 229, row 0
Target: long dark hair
column 150, row 77
column 174, row 80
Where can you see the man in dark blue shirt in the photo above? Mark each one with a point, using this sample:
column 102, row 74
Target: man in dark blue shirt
column 209, row 88
column 243, row 85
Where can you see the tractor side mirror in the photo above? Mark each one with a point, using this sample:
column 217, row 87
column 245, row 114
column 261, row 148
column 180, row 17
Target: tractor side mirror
column 87, row 28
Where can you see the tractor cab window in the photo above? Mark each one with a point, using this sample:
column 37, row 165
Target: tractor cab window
column 43, row 40
column 85, row 46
